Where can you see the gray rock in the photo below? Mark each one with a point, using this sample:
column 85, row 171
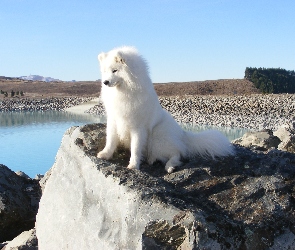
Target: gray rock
column 38, row 177
column 286, row 133
column 240, row 202
column 283, row 139
column 22, row 174
column 27, row 240
column 289, row 145
column 283, row 132
column 262, row 139
column 19, row 199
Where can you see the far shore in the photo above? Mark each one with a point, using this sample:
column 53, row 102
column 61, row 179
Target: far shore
column 83, row 107
column 255, row 111
column 41, row 104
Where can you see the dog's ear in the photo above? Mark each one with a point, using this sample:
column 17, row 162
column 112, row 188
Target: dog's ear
column 101, row 56
column 119, row 58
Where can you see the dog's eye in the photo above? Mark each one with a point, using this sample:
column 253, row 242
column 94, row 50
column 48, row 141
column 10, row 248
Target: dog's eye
column 114, row 70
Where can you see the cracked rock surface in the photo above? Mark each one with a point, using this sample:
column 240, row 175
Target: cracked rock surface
column 241, row 202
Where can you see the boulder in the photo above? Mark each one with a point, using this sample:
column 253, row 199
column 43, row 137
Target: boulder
column 286, row 133
column 244, row 201
column 27, row 240
column 283, row 138
column 263, row 139
column 19, row 199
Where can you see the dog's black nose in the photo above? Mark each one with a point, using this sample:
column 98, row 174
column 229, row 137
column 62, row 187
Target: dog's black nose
column 106, row 82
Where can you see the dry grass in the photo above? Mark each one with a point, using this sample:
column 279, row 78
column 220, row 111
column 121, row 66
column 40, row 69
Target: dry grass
column 35, row 89
column 209, row 87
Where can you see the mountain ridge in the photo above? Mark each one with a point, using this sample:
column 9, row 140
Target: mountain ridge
column 39, row 78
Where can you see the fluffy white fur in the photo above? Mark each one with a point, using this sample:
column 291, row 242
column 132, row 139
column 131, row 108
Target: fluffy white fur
column 136, row 119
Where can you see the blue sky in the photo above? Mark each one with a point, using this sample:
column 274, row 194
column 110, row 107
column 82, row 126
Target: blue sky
column 182, row 40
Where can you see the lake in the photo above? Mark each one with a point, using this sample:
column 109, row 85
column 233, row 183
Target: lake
column 29, row 141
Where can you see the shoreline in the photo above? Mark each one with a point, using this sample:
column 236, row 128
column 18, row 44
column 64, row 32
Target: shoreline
column 83, row 107
column 41, row 104
column 254, row 112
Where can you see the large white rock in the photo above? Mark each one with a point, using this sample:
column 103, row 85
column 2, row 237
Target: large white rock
column 240, row 202
column 86, row 206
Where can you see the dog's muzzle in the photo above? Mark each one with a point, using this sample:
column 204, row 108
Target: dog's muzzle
column 106, row 82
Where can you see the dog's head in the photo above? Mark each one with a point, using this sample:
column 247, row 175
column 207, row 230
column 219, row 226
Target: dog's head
column 123, row 65
column 113, row 67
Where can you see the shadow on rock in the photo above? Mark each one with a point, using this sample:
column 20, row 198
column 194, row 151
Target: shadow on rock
column 241, row 202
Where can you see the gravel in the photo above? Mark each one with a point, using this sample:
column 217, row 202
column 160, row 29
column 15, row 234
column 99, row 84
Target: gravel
column 255, row 112
column 44, row 104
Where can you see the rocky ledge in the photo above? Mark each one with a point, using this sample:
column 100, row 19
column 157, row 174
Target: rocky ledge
column 19, row 201
column 254, row 112
column 240, row 202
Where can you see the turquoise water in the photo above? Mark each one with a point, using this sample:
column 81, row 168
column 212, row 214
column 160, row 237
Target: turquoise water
column 230, row 133
column 29, row 141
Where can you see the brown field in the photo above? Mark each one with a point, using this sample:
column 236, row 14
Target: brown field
column 209, row 87
column 37, row 89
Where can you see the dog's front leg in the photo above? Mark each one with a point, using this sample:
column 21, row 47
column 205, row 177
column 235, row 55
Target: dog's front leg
column 138, row 142
column 111, row 142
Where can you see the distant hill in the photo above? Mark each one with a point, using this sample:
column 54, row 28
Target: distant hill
column 208, row 87
column 92, row 88
column 7, row 78
column 48, row 89
column 39, row 78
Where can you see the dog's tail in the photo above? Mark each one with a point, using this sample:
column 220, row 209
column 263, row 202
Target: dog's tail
column 209, row 143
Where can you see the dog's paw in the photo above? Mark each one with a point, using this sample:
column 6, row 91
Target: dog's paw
column 104, row 155
column 132, row 166
column 170, row 169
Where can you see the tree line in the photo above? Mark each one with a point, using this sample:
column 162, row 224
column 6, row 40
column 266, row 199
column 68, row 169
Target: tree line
column 272, row 80
column 12, row 93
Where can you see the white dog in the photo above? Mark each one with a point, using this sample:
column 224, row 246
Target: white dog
column 136, row 119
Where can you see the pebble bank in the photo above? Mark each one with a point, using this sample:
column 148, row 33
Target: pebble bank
column 27, row 104
column 255, row 111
